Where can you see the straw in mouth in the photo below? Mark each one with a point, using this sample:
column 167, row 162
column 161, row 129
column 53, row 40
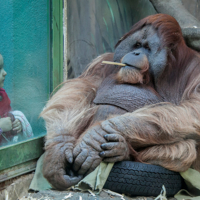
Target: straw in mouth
column 113, row 63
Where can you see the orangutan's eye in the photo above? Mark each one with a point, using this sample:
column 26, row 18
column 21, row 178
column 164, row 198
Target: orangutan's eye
column 146, row 46
column 137, row 45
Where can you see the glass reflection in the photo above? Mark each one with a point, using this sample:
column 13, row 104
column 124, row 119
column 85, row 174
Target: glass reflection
column 13, row 124
column 24, row 46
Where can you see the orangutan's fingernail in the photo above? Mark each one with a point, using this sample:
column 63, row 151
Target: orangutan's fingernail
column 105, row 136
column 102, row 154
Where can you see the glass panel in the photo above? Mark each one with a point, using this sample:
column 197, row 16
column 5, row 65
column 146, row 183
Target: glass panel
column 23, row 45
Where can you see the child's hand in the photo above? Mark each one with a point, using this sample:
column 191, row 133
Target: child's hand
column 6, row 124
column 17, row 126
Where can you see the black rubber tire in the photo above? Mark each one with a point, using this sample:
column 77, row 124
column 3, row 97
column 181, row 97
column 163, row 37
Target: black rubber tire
column 138, row 179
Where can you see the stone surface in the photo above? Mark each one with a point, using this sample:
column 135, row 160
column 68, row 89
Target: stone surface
column 57, row 195
column 189, row 24
column 17, row 189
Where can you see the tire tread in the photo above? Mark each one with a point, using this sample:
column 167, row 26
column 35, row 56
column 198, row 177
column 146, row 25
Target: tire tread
column 139, row 179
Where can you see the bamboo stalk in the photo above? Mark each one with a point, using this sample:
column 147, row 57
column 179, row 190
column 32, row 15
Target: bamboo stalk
column 113, row 63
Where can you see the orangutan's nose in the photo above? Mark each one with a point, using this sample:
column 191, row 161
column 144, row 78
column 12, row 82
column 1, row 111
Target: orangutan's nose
column 136, row 53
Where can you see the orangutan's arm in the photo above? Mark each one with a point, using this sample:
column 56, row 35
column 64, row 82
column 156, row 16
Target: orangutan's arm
column 67, row 115
column 163, row 134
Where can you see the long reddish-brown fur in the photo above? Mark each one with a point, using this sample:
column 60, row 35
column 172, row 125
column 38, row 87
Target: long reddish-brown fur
column 167, row 134
column 70, row 110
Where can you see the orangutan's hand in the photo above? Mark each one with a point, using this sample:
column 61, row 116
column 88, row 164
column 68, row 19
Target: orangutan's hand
column 116, row 148
column 57, row 167
column 86, row 151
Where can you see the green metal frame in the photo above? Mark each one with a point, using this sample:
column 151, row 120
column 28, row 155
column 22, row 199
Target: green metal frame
column 20, row 158
column 57, row 42
column 49, row 52
column 21, row 152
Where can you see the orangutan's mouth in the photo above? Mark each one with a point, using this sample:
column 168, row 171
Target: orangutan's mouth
column 131, row 66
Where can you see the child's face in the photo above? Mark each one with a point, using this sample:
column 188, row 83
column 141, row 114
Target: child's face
column 2, row 76
column 2, row 72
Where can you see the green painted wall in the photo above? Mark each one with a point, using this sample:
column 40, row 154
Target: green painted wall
column 23, row 44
